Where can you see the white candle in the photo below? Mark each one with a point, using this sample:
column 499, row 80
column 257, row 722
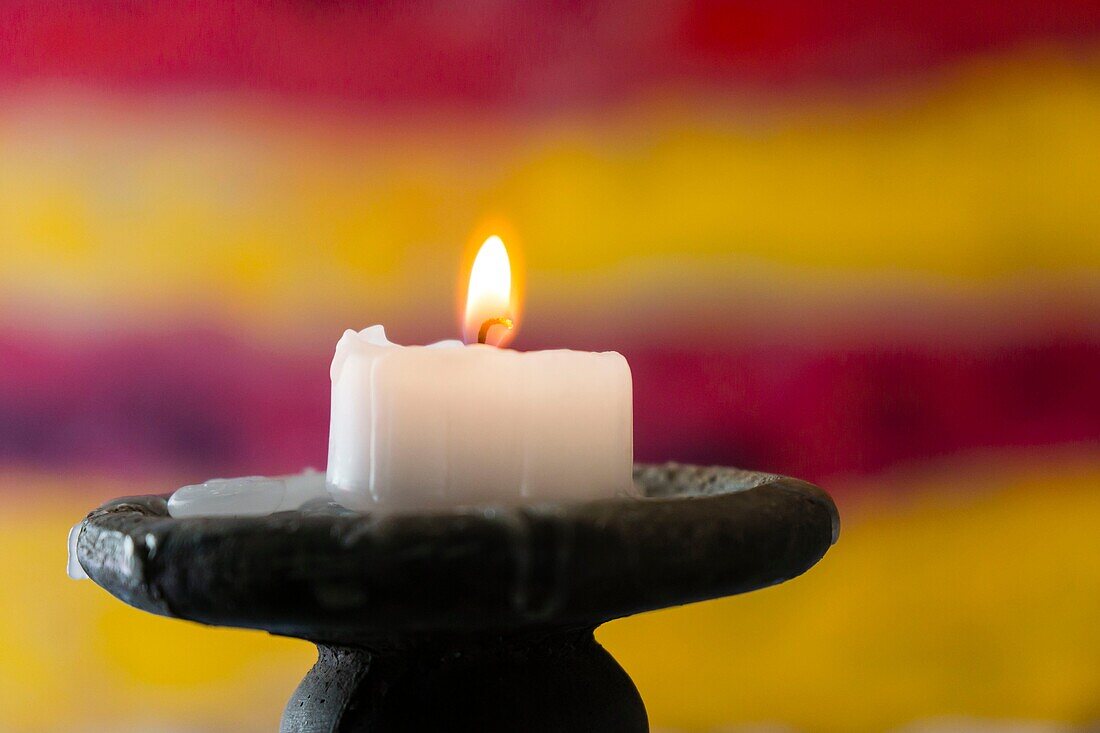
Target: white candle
column 445, row 425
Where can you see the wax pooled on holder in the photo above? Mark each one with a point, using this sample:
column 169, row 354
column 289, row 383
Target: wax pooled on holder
column 248, row 496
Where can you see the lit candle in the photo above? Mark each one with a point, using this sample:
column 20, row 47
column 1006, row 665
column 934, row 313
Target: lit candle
column 448, row 424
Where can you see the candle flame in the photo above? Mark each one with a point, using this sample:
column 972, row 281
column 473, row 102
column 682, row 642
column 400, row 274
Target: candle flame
column 489, row 312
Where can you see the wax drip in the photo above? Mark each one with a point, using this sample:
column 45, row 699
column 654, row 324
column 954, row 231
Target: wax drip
column 74, row 569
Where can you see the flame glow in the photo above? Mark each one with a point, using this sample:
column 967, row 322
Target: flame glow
column 490, row 293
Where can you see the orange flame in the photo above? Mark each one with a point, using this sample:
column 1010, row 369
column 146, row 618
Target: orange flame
column 490, row 311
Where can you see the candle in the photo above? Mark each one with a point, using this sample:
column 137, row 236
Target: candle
column 448, row 424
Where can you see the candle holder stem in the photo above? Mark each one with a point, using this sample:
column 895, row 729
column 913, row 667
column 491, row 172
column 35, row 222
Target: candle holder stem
column 559, row 681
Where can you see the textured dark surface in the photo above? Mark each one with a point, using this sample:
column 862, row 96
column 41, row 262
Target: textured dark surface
column 505, row 597
column 563, row 681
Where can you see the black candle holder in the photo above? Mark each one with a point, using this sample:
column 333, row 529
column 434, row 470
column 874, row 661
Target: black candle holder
column 478, row 619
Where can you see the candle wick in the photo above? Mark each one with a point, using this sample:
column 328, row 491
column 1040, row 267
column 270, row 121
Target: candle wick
column 483, row 334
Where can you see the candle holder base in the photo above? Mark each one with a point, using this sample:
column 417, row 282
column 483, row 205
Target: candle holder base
column 477, row 619
column 554, row 682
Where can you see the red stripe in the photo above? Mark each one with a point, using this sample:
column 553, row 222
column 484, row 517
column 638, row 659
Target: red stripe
column 789, row 39
column 819, row 413
column 539, row 53
column 206, row 405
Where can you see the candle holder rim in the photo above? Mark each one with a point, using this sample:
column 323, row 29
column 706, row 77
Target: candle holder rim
column 339, row 577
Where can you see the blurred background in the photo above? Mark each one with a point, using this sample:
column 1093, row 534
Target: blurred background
column 857, row 243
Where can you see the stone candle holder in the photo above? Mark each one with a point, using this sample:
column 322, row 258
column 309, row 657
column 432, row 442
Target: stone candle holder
column 478, row 619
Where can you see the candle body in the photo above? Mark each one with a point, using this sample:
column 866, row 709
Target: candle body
column 425, row 427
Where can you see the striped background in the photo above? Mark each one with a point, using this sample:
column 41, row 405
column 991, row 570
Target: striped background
column 857, row 242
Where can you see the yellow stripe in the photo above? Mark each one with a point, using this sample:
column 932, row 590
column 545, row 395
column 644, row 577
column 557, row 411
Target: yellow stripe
column 990, row 176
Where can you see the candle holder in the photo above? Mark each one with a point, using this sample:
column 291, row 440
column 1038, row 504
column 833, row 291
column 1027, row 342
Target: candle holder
column 477, row 619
